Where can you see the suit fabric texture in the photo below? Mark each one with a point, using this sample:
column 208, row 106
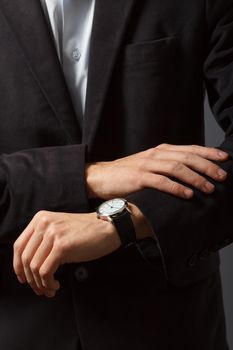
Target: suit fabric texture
column 151, row 62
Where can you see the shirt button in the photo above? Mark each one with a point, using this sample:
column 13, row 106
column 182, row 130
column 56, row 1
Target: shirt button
column 76, row 55
column 81, row 274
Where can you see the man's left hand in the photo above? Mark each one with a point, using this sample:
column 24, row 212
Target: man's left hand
column 53, row 239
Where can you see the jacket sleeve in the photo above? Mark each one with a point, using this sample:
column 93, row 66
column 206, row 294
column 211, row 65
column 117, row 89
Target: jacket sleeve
column 49, row 178
column 190, row 232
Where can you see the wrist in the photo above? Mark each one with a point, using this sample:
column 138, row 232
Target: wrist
column 94, row 173
column 107, row 230
column 128, row 224
column 90, row 175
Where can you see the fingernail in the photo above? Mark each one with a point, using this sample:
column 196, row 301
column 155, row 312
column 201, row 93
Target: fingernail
column 222, row 154
column 208, row 187
column 20, row 279
column 222, row 173
column 188, row 193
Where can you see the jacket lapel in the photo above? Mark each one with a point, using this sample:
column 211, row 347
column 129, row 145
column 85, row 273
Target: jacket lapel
column 28, row 23
column 110, row 20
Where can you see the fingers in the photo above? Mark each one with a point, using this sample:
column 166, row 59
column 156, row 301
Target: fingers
column 32, row 258
column 37, row 261
column 27, row 256
column 205, row 152
column 36, row 270
column 180, row 172
column 31, row 250
column 167, row 185
column 195, row 162
column 47, row 270
column 19, row 247
column 205, row 166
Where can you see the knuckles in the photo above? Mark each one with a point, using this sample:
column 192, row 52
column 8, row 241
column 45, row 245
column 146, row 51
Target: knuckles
column 160, row 181
column 188, row 157
column 34, row 268
column 25, row 260
column 16, row 246
column 212, row 169
column 163, row 146
column 50, row 226
column 41, row 214
column 51, row 232
column 176, row 166
column 151, row 152
column 43, row 218
column 175, row 188
column 44, row 273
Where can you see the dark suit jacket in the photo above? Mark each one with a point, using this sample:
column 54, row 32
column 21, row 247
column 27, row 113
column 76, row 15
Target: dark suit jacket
column 150, row 62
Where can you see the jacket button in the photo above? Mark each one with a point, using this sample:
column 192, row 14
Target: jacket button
column 81, row 274
column 204, row 254
column 193, row 260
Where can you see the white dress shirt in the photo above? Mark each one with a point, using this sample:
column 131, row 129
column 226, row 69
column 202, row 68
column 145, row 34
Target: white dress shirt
column 71, row 23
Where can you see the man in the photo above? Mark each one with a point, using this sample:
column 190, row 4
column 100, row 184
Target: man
column 115, row 209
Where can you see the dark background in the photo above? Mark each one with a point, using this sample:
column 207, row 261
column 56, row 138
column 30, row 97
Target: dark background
column 214, row 136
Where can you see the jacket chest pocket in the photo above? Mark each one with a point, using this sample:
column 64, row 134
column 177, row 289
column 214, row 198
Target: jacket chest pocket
column 157, row 53
column 142, row 92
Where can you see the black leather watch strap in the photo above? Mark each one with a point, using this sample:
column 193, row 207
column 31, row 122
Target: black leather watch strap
column 125, row 228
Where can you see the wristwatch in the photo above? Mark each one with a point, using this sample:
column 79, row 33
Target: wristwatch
column 117, row 211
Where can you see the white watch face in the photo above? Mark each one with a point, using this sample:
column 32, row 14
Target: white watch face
column 111, row 207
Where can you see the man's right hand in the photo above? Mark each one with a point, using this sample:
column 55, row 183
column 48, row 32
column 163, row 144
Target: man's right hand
column 157, row 168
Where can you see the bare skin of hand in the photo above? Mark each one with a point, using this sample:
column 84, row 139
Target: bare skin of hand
column 53, row 239
column 157, row 168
